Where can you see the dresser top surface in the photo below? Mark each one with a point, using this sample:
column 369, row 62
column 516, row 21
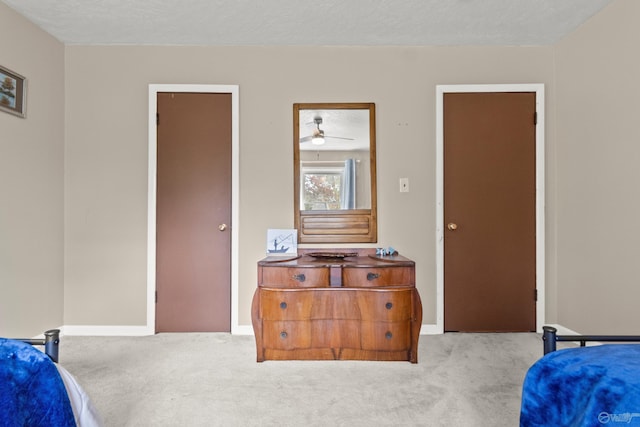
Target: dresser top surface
column 339, row 260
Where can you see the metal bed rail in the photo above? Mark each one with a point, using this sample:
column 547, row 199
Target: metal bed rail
column 51, row 343
column 550, row 338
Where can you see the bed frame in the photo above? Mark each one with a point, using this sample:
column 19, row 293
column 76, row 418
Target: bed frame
column 550, row 337
column 51, row 343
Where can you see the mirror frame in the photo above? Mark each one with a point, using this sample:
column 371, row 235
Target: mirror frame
column 335, row 226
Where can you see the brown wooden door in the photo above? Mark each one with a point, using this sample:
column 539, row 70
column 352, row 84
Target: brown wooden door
column 489, row 212
column 193, row 267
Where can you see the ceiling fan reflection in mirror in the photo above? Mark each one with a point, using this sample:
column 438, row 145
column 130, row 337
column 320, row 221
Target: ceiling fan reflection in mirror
column 318, row 136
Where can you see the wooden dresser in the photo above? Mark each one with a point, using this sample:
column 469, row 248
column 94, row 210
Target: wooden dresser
column 351, row 305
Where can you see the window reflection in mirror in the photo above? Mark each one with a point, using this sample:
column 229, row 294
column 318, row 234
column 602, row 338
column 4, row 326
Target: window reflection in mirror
column 322, row 186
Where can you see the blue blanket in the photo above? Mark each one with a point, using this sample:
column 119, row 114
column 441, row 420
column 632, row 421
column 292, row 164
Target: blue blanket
column 586, row 386
column 31, row 390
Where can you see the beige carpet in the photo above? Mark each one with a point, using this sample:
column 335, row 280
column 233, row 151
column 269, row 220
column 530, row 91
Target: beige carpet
column 213, row 380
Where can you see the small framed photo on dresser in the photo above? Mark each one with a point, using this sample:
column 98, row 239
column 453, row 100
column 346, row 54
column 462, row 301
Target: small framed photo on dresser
column 13, row 92
column 282, row 241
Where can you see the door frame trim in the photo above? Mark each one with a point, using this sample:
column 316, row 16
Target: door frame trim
column 152, row 188
column 538, row 88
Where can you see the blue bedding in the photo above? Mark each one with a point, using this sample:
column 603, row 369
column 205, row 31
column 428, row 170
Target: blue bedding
column 585, row 386
column 32, row 392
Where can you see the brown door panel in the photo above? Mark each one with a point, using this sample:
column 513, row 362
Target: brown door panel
column 193, row 277
column 489, row 194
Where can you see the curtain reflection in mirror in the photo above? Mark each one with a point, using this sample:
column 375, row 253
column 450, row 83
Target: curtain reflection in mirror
column 348, row 198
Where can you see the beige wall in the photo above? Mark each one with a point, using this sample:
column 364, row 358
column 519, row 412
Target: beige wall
column 106, row 150
column 598, row 205
column 591, row 155
column 31, row 183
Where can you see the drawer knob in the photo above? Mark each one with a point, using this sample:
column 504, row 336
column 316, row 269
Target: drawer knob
column 283, row 305
column 283, row 334
column 389, row 305
column 372, row 276
column 299, row 277
column 388, row 335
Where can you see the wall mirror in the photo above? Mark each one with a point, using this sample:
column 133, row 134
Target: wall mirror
column 334, row 155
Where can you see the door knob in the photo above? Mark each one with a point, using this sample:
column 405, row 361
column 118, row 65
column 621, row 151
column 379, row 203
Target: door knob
column 222, row 227
column 452, row 226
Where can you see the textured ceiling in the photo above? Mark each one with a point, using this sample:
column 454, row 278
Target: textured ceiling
column 305, row 22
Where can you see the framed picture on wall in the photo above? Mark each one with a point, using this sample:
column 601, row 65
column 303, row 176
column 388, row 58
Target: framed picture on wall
column 13, row 92
column 282, row 242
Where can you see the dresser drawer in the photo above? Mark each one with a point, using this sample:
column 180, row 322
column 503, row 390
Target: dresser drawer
column 335, row 333
column 373, row 304
column 386, row 336
column 385, row 305
column 286, row 305
column 305, row 304
column 294, row 277
column 357, row 277
column 286, row 335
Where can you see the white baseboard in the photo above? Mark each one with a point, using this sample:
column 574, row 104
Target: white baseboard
column 129, row 331
column 562, row 330
column 41, row 336
column 132, row 331
column 124, row 330
column 430, row 329
column 242, row 330
column 106, row 330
